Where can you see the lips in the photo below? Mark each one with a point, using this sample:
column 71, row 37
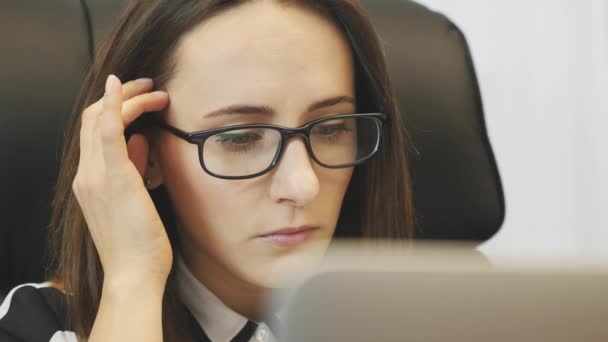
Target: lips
column 289, row 236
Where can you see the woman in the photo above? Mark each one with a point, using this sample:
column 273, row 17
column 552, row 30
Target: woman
column 159, row 234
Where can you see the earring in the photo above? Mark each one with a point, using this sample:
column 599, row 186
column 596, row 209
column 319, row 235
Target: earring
column 148, row 182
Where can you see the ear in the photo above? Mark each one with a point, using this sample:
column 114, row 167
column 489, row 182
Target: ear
column 153, row 177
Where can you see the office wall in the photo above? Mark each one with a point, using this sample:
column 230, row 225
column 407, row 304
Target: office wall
column 543, row 70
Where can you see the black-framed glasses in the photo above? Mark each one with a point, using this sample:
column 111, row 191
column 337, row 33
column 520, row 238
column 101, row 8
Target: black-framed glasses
column 248, row 151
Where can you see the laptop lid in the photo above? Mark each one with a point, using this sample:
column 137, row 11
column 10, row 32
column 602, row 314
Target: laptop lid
column 444, row 293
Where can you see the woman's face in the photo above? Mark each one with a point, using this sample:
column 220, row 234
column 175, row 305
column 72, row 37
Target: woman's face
column 260, row 62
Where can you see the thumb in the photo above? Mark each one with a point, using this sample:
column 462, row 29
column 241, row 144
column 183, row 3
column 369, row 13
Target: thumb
column 138, row 150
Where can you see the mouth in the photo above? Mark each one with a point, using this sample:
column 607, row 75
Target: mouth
column 289, row 236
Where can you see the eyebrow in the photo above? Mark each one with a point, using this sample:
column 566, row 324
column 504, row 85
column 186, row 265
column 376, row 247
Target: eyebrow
column 266, row 110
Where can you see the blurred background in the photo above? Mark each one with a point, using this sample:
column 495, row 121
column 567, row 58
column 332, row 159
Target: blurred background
column 543, row 71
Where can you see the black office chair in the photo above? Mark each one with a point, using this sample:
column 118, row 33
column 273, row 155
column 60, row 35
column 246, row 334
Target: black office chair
column 47, row 46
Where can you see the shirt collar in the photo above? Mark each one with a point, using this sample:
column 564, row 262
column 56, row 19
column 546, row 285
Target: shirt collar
column 218, row 321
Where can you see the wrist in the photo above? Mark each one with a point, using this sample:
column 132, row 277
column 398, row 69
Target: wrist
column 134, row 282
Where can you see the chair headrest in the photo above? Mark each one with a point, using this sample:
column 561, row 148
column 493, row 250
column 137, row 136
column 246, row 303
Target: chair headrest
column 457, row 188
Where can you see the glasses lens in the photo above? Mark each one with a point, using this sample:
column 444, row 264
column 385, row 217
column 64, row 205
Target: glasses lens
column 240, row 152
column 345, row 141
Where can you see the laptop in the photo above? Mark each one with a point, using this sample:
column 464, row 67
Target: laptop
column 443, row 293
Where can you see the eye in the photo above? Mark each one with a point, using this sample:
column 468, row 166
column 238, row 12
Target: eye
column 240, row 140
column 237, row 138
column 330, row 129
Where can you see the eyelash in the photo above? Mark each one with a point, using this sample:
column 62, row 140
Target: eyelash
column 227, row 141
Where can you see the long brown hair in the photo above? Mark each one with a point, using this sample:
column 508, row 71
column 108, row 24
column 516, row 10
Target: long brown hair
column 377, row 204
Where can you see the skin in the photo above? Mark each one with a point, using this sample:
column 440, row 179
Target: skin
column 261, row 53
column 264, row 54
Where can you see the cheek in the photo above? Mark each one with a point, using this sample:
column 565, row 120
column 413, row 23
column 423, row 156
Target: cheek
column 211, row 210
column 333, row 185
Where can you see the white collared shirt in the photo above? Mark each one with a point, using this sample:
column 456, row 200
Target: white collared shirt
column 219, row 322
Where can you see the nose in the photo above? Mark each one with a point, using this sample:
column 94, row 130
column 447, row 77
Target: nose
column 294, row 180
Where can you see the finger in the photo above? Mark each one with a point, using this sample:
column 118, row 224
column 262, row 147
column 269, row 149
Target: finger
column 136, row 87
column 129, row 90
column 149, row 102
column 138, row 150
column 111, row 127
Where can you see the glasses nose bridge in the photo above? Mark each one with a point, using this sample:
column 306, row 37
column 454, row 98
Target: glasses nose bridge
column 288, row 134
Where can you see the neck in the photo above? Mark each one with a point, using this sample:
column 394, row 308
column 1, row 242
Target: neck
column 240, row 296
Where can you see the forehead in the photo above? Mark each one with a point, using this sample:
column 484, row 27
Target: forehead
column 265, row 53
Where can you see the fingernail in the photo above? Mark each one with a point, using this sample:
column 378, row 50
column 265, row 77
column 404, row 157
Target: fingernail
column 160, row 93
column 110, row 83
column 144, row 81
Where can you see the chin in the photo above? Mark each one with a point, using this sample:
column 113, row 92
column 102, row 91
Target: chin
column 292, row 266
